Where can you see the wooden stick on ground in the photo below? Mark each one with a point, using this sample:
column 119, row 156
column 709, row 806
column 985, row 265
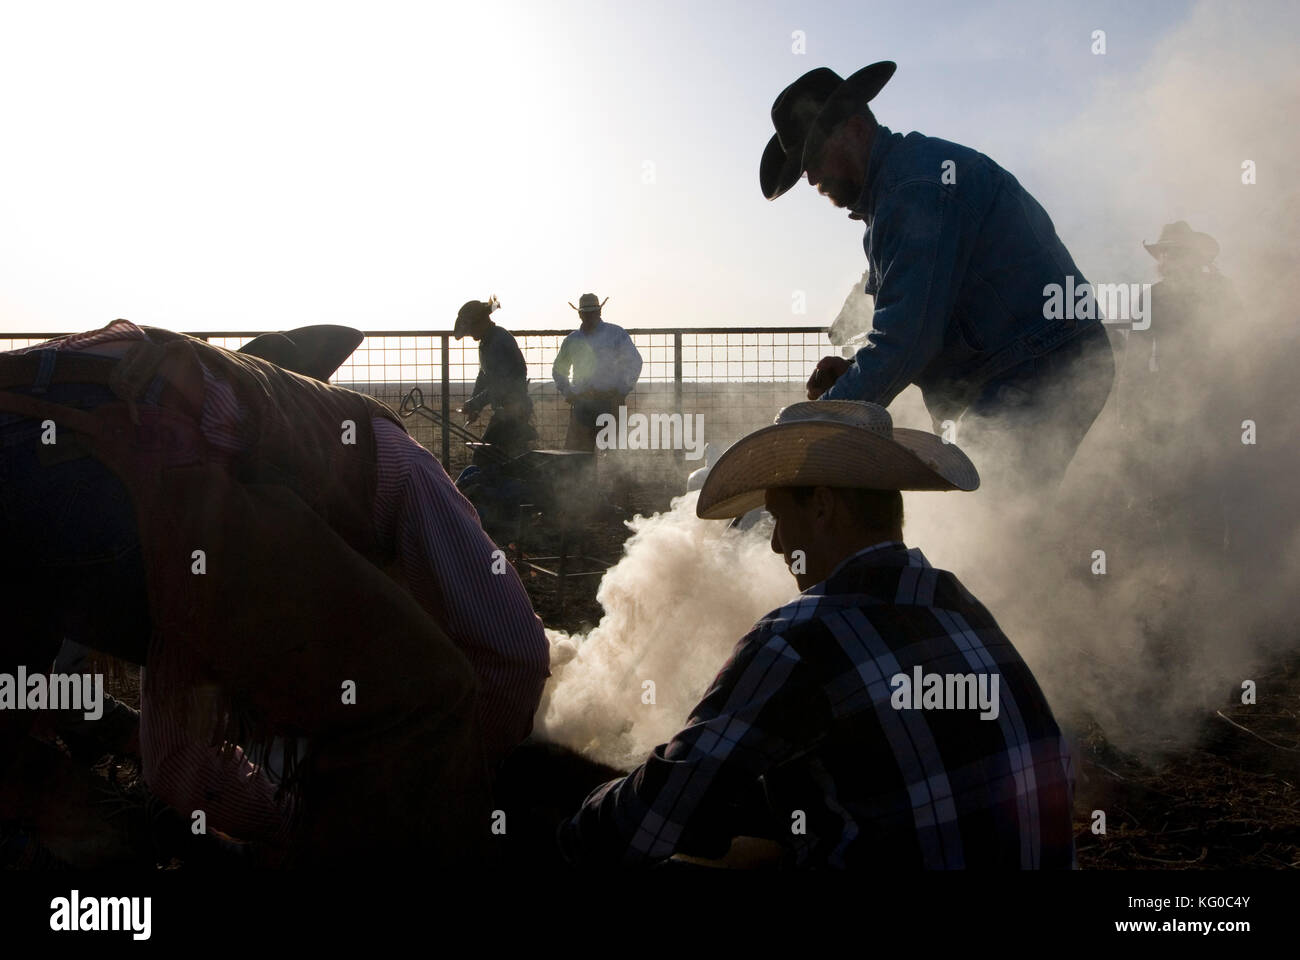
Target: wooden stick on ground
column 1256, row 735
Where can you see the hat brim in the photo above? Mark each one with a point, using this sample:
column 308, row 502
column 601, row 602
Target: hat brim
column 862, row 86
column 779, row 169
column 316, row 351
column 810, row 453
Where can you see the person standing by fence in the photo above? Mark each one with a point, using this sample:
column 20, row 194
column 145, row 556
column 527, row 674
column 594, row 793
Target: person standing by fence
column 605, row 365
column 502, row 380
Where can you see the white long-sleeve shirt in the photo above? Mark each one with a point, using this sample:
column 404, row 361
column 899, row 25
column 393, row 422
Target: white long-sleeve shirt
column 605, row 359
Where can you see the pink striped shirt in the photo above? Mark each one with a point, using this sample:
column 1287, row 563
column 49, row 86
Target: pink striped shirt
column 447, row 560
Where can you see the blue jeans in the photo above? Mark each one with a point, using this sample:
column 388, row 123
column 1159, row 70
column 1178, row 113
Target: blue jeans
column 1027, row 422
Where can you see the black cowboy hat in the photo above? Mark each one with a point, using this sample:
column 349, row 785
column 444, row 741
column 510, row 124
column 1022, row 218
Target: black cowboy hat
column 471, row 311
column 815, row 99
column 316, row 351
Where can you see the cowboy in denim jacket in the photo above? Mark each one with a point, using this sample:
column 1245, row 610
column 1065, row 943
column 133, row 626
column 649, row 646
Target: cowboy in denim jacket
column 962, row 260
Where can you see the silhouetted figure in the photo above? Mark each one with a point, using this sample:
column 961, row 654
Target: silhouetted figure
column 1174, row 456
column 808, row 722
column 960, row 255
column 502, row 382
column 347, row 596
column 595, row 370
column 1189, row 298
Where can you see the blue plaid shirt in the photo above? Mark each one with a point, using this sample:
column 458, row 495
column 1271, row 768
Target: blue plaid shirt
column 797, row 741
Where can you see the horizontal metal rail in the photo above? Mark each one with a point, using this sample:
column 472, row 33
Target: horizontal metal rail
column 518, row 332
column 736, row 378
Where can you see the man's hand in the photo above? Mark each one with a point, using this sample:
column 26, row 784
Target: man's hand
column 827, row 371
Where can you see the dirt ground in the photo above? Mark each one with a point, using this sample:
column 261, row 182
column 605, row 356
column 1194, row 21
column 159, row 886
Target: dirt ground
column 1230, row 802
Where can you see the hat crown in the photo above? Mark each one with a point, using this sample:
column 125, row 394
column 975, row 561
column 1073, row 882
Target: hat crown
column 1179, row 235
column 831, row 443
column 796, row 107
column 588, row 301
column 470, row 309
column 1178, row 230
column 851, row 413
column 819, row 99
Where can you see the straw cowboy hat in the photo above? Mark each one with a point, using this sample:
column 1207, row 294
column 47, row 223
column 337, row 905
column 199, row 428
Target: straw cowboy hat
column 1179, row 237
column 316, row 351
column 831, row 443
column 814, row 103
column 589, row 303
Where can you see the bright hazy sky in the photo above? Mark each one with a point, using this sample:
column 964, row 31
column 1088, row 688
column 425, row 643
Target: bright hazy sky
column 266, row 165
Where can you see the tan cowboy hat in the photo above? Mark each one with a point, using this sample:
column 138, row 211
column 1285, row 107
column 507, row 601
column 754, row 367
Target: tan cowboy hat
column 831, row 443
column 589, row 303
column 1198, row 247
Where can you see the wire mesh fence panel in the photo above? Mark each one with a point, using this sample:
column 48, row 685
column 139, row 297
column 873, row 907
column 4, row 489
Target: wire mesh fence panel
column 388, row 365
column 19, row 342
column 229, row 343
column 729, row 380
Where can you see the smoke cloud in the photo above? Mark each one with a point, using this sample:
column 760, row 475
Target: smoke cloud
column 685, row 591
column 1200, row 532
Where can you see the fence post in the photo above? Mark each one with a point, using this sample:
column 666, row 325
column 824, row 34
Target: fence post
column 677, row 384
column 446, row 401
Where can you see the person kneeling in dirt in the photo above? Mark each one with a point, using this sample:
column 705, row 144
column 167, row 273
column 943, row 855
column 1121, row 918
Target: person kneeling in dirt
column 287, row 564
column 881, row 719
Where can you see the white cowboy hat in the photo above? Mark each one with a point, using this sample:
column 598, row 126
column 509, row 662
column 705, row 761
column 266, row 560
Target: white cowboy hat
column 589, row 303
column 831, row 443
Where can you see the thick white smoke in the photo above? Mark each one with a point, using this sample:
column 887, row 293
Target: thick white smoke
column 685, row 591
column 1199, row 592
column 1177, row 622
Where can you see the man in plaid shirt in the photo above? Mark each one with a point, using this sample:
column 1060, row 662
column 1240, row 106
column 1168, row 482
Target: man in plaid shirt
column 846, row 726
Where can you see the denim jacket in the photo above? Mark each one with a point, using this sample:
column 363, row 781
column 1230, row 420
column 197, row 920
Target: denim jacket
column 502, row 373
column 957, row 272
